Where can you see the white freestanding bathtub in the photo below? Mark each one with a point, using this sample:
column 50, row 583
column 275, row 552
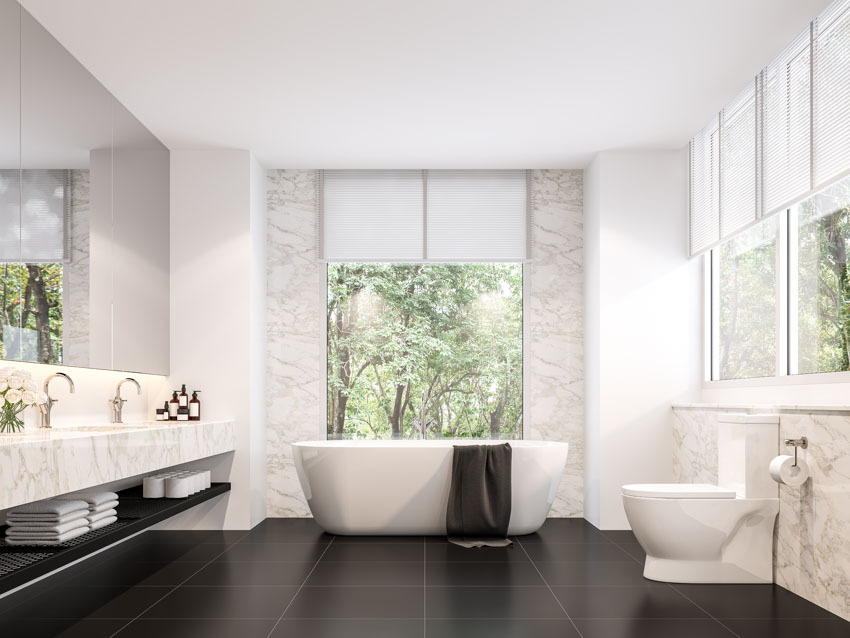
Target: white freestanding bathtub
column 402, row 487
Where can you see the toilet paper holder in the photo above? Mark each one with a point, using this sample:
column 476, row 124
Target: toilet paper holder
column 802, row 442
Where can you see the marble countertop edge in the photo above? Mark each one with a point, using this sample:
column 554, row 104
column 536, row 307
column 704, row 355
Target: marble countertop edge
column 763, row 408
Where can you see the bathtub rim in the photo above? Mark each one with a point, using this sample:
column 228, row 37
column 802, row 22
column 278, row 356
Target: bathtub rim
column 428, row 443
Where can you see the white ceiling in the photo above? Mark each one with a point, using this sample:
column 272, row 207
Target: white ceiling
column 427, row 84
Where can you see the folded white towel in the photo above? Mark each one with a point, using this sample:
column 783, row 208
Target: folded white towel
column 103, row 522
column 58, row 540
column 22, row 529
column 54, row 507
column 97, row 509
column 46, row 518
column 93, row 518
column 91, row 497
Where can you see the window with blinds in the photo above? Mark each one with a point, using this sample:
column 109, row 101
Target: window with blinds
column 423, row 216
column 786, row 136
column 35, row 216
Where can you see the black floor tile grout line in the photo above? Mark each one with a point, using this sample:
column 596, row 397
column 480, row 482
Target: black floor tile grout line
column 183, row 582
column 306, row 578
column 678, row 591
column 572, row 622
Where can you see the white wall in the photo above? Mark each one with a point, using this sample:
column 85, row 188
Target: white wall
column 643, row 318
column 216, row 308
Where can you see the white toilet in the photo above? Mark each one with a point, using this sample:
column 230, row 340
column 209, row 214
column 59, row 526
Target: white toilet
column 694, row 533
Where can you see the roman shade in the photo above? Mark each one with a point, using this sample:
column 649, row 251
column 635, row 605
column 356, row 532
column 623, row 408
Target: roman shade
column 423, row 215
column 783, row 138
column 35, row 215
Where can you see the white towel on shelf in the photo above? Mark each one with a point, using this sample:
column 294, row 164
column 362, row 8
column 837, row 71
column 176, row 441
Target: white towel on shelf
column 57, row 540
column 103, row 522
column 22, row 529
column 93, row 518
column 46, row 518
column 108, row 505
column 49, row 507
column 91, row 497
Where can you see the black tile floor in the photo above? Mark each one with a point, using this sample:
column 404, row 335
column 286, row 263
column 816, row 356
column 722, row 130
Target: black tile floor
column 286, row 578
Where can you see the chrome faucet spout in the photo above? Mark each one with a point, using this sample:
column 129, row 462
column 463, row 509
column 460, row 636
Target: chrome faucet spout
column 118, row 402
column 48, row 405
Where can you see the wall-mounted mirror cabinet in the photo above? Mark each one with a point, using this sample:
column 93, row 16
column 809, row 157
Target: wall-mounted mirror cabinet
column 84, row 228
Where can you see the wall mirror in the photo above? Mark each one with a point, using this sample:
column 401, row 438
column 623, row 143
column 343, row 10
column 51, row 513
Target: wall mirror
column 84, row 227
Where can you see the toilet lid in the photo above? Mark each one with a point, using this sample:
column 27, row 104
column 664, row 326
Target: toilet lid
column 678, row 490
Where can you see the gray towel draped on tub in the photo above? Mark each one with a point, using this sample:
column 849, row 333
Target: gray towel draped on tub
column 479, row 508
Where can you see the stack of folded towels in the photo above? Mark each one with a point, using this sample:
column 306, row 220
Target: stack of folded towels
column 49, row 522
column 57, row 520
column 101, row 507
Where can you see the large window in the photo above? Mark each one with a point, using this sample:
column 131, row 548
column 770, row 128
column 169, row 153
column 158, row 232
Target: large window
column 780, row 292
column 424, row 350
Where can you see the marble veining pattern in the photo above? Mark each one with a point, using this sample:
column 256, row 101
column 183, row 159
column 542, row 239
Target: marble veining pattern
column 554, row 326
column 52, row 462
column 75, row 277
column 811, row 553
column 296, row 334
column 554, row 381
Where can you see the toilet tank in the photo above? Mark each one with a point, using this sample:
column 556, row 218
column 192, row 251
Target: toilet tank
column 746, row 443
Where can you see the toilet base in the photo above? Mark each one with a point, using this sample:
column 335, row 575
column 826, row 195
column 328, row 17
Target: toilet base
column 698, row 571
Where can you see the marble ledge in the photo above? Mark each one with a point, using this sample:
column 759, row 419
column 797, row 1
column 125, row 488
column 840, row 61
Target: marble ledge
column 39, row 464
column 764, row 408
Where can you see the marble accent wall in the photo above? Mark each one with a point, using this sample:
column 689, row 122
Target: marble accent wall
column 811, row 553
column 554, row 327
column 295, row 319
column 554, row 402
column 75, row 277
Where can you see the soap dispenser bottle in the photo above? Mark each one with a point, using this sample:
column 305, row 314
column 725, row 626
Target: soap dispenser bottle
column 183, row 398
column 195, row 407
column 172, row 407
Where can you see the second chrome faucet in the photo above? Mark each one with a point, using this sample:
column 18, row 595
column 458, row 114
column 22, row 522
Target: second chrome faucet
column 118, row 402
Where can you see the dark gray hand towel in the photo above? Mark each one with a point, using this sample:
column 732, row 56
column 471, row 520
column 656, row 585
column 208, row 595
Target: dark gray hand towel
column 479, row 508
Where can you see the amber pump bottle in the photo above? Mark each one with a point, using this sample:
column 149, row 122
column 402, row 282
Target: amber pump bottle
column 195, row 407
column 183, row 398
column 172, row 407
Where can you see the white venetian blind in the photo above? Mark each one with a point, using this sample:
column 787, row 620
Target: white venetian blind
column 738, row 172
column 704, row 156
column 476, row 215
column 831, row 96
column 371, row 215
column 433, row 215
column 35, row 216
column 786, row 125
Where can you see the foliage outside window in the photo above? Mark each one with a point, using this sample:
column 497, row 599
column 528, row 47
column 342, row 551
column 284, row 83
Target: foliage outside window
column 31, row 297
column 424, row 351
column 791, row 266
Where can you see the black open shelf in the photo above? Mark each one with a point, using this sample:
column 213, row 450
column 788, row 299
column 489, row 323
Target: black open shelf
column 20, row 564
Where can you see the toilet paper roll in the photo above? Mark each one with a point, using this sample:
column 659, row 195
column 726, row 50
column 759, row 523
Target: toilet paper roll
column 176, row 487
column 153, row 487
column 783, row 471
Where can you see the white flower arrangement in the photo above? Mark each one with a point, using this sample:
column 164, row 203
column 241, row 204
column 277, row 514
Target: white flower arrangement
column 18, row 392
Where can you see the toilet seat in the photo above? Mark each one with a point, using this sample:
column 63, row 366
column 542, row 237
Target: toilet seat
column 678, row 490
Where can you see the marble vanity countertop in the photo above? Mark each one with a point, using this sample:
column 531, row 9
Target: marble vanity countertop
column 763, row 408
column 39, row 464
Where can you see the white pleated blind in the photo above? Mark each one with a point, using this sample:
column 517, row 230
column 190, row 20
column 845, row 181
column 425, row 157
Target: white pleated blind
column 371, row 215
column 704, row 193
column 476, row 215
column 434, row 215
column 786, row 125
column 35, row 216
column 831, row 97
column 786, row 137
column 738, row 174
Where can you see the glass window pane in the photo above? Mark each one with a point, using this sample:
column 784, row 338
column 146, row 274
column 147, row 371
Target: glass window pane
column 433, row 347
column 823, row 315
column 746, row 334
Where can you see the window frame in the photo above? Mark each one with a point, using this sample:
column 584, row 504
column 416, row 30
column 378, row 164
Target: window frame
column 786, row 369
column 322, row 299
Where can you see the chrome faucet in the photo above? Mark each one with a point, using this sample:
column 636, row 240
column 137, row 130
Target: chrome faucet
column 118, row 402
column 47, row 406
